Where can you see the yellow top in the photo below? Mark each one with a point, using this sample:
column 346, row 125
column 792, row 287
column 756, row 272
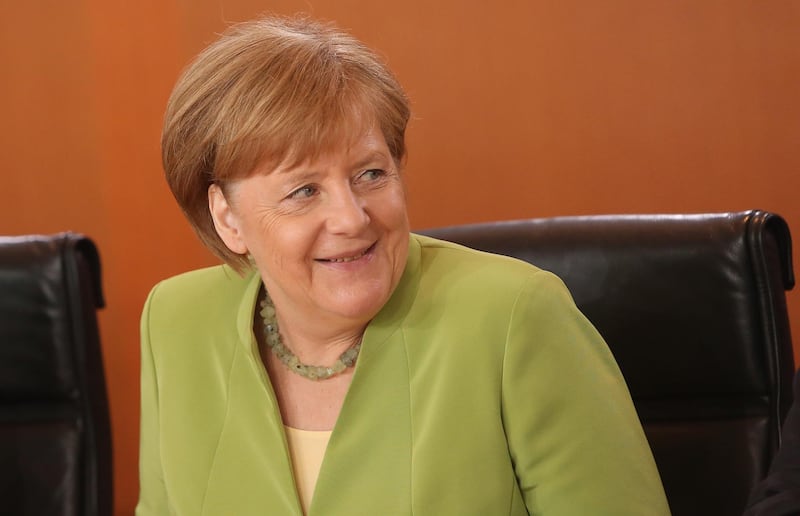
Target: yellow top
column 307, row 448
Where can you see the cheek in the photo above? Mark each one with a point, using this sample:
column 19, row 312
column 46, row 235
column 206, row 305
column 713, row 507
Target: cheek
column 398, row 213
column 288, row 243
column 392, row 207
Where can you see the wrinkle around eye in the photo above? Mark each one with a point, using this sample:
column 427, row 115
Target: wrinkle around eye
column 266, row 216
column 382, row 178
column 373, row 174
column 309, row 190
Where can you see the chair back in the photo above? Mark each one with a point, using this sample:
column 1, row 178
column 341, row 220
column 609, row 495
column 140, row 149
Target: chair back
column 55, row 437
column 693, row 308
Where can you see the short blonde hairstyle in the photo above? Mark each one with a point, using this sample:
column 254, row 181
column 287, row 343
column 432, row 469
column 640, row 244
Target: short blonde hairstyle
column 272, row 89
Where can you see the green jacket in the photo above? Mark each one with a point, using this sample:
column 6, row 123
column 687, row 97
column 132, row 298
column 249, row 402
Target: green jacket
column 480, row 390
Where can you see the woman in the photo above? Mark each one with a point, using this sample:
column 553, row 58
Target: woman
column 433, row 379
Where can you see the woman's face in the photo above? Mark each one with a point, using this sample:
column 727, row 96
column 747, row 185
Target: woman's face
column 329, row 236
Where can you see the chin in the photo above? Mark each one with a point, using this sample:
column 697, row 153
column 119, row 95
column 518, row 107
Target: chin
column 360, row 304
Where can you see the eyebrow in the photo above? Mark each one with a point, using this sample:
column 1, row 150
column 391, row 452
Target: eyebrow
column 371, row 157
column 304, row 173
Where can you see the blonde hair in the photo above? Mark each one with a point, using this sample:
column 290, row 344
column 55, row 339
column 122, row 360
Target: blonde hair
column 271, row 89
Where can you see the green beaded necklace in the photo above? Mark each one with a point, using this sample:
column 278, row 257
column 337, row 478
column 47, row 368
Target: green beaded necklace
column 289, row 359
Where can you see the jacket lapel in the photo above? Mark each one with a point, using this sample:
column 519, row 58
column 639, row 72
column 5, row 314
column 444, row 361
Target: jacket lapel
column 367, row 465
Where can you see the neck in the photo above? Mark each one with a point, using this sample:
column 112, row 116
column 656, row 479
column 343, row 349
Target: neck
column 313, row 339
column 316, row 349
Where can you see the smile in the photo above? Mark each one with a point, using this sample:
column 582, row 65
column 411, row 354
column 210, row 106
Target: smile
column 346, row 259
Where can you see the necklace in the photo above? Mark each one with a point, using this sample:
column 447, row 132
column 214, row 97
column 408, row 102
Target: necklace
column 290, row 360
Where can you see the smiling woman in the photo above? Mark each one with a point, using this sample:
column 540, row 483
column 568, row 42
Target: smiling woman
column 343, row 365
column 328, row 236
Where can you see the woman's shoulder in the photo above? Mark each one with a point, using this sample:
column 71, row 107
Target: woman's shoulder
column 198, row 292
column 457, row 262
column 219, row 280
column 451, row 273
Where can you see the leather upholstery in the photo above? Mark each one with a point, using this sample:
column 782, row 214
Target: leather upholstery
column 693, row 308
column 55, row 438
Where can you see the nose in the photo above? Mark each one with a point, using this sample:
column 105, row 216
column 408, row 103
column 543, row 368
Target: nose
column 347, row 214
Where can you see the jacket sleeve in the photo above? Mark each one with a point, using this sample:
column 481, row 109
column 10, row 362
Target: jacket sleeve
column 574, row 436
column 152, row 493
column 779, row 493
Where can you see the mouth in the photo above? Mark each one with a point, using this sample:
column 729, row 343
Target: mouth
column 349, row 258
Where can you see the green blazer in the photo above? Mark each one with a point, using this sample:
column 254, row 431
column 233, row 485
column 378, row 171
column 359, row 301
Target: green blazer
column 480, row 390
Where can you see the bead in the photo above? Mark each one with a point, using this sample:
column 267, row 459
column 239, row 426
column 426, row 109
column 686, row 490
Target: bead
column 289, row 359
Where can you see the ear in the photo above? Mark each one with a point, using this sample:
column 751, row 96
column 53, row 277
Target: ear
column 226, row 222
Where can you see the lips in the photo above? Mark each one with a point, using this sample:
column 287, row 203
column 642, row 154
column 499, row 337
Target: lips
column 348, row 258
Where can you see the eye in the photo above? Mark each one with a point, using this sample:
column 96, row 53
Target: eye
column 372, row 174
column 303, row 192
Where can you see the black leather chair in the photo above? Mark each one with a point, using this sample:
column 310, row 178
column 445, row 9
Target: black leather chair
column 693, row 308
column 55, row 438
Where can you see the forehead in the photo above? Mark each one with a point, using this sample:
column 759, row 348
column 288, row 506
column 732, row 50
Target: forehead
column 354, row 144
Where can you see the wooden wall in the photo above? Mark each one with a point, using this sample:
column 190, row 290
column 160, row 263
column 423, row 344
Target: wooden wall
column 521, row 109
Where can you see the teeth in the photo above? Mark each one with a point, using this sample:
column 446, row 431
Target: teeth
column 348, row 259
